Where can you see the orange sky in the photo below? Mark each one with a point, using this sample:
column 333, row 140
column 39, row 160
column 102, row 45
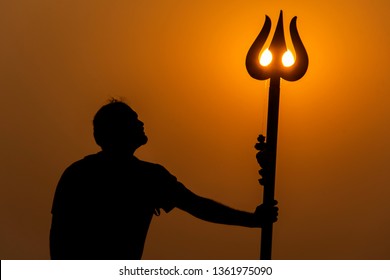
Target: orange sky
column 181, row 66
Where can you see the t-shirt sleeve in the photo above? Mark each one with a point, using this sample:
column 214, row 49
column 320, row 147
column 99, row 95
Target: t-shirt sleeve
column 170, row 192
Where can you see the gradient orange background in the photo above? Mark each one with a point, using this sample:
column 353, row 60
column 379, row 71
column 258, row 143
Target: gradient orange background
column 181, row 66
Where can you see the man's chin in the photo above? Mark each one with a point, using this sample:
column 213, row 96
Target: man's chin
column 138, row 142
column 143, row 140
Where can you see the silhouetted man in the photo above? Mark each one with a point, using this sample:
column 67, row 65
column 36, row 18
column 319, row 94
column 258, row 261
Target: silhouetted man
column 104, row 203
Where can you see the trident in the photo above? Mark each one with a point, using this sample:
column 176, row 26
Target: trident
column 274, row 67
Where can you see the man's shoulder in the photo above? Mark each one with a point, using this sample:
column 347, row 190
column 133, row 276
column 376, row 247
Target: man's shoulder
column 148, row 164
column 95, row 162
column 97, row 159
column 86, row 162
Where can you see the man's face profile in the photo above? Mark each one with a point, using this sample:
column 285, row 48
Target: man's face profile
column 118, row 129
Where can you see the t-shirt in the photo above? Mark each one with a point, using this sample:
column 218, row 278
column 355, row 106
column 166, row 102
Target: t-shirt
column 102, row 207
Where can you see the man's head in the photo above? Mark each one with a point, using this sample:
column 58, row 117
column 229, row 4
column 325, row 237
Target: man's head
column 116, row 128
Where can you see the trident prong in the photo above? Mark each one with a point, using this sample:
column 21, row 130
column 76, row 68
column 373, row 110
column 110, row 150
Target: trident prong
column 277, row 48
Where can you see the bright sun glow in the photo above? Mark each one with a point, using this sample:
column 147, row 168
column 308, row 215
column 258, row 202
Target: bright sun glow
column 288, row 59
column 266, row 58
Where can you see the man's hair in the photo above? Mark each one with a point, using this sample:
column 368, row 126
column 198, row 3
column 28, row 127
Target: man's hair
column 108, row 121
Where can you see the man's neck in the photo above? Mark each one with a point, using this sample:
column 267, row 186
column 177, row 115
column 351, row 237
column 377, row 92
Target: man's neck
column 119, row 155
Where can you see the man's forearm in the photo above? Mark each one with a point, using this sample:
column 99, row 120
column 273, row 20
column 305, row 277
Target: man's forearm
column 209, row 210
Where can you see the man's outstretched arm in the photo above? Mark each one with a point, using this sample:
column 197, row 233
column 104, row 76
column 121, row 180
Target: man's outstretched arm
column 211, row 211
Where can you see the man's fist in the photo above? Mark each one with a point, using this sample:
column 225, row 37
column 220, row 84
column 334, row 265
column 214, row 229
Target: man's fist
column 266, row 214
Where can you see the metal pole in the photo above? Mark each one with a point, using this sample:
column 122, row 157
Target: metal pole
column 269, row 186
